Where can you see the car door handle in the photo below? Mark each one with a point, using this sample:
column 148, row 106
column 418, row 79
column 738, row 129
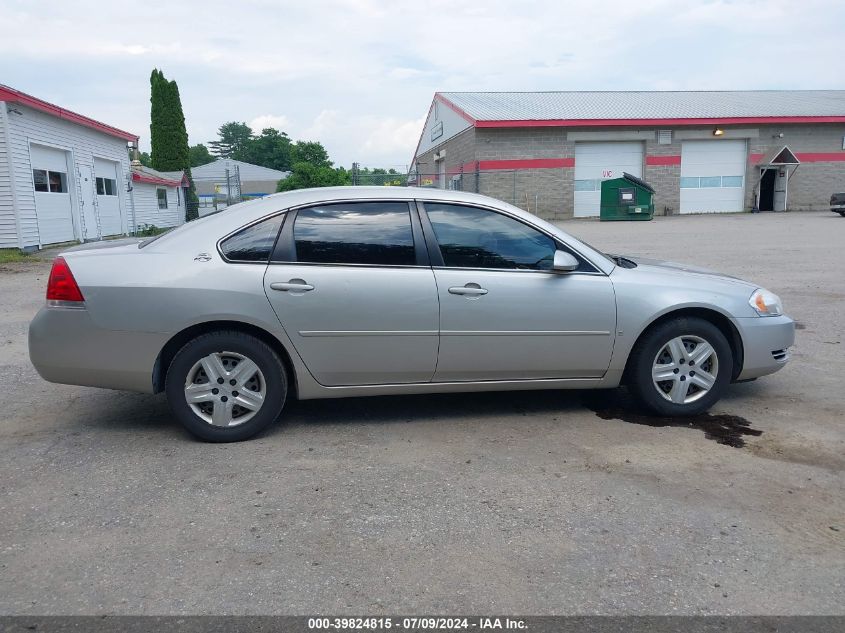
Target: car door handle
column 471, row 290
column 294, row 285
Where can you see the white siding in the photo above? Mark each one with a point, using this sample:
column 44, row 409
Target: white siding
column 146, row 206
column 8, row 228
column 32, row 126
column 441, row 124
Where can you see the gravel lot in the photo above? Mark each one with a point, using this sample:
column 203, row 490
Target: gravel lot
column 526, row 503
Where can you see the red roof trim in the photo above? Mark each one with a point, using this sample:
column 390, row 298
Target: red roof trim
column 662, row 160
column 15, row 96
column 526, row 163
column 820, row 157
column 439, row 97
column 138, row 177
column 652, row 122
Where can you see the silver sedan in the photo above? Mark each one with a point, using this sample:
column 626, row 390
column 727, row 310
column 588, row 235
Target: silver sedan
column 331, row 293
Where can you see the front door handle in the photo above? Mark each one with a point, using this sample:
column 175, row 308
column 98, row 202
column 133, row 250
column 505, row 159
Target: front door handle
column 294, row 285
column 469, row 290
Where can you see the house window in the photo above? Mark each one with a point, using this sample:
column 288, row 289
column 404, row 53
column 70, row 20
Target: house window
column 178, row 196
column 162, row 198
column 49, row 181
column 106, row 187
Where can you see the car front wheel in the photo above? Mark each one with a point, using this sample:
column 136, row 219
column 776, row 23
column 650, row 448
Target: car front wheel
column 680, row 367
column 226, row 386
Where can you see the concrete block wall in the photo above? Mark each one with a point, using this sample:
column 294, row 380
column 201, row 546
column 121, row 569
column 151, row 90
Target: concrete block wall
column 814, row 181
column 549, row 193
column 459, row 150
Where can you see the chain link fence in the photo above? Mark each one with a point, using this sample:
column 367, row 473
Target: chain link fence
column 215, row 193
column 542, row 192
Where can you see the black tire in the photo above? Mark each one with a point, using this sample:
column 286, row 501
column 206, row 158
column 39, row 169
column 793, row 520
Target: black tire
column 271, row 369
column 653, row 342
column 842, row 213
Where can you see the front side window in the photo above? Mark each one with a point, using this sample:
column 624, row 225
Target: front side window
column 377, row 233
column 254, row 243
column 470, row 237
column 162, row 198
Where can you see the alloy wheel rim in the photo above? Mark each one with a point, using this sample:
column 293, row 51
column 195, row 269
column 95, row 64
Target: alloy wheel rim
column 225, row 389
column 685, row 369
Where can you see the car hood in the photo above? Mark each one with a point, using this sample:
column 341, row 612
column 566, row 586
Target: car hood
column 658, row 265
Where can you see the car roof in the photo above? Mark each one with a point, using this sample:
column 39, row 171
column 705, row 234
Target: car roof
column 218, row 225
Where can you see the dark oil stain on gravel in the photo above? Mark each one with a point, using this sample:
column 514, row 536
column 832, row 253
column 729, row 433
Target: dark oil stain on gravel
column 722, row 428
column 800, row 326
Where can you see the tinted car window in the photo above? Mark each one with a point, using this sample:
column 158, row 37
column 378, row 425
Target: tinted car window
column 355, row 233
column 254, row 243
column 476, row 238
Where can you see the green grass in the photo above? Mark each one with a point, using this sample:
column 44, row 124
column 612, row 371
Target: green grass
column 149, row 230
column 13, row 255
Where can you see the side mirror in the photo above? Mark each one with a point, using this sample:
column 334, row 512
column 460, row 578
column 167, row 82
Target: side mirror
column 564, row 262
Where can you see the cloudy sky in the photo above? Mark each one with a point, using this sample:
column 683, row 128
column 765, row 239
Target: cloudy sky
column 359, row 75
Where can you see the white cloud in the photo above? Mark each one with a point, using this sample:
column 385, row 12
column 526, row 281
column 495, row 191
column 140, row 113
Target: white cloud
column 277, row 121
column 357, row 74
column 326, row 123
column 393, row 137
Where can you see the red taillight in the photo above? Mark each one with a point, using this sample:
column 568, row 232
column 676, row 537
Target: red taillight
column 62, row 286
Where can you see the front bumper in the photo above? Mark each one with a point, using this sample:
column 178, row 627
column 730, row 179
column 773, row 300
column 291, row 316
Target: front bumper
column 766, row 342
column 66, row 346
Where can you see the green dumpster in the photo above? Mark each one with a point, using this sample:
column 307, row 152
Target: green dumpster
column 626, row 198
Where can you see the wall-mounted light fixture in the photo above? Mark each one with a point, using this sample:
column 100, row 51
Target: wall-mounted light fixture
column 718, row 132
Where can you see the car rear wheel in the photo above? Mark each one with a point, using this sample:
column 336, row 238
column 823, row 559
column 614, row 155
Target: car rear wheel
column 680, row 367
column 226, row 386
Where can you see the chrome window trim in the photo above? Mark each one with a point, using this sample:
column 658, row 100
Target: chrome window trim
column 524, row 271
column 286, row 263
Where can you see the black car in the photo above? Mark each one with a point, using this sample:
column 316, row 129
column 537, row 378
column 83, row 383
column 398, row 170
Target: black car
column 837, row 203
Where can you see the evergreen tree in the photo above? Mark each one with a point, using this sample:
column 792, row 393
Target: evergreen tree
column 168, row 134
column 234, row 140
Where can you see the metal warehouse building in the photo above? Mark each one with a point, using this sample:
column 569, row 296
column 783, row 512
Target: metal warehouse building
column 548, row 152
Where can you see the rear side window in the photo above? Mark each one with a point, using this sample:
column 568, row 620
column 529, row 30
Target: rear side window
column 470, row 237
column 254, row 243
column 377, row 233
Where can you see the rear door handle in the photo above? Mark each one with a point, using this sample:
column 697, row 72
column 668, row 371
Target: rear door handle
column 470, row 290
column 294, row 285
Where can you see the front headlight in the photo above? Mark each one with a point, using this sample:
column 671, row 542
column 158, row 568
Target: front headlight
column 766, row 303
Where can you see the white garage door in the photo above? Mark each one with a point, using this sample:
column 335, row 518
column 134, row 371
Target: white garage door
column 595, row 162
column 712, row 176
column 108, row 197
column 53, row 207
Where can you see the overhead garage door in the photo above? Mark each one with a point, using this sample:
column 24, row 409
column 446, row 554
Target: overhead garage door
column 712, row 176
column 53, row 207
column 108, row 197
column 595, row 162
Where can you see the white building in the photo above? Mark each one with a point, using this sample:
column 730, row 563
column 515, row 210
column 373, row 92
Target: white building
column 158, row 198
column 63, row 176
column 235, row 179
